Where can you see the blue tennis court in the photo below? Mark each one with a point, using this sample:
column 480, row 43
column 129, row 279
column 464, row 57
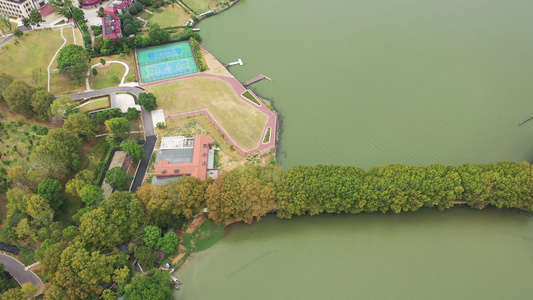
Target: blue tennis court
column 167, row 61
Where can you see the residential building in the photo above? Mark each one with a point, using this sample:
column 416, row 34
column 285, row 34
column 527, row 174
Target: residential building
column 182, row 156
column 20, row 8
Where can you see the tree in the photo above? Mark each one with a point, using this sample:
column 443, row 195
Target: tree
column 26, row 22
column 57, row 151
column 152, row 236
column 62, row 107
column 116, row 178
column 155, row 286
column 92, row 195
column 157, row 35
column 95, row 72
column 138, row 5
column 18, row 33
column 129, row 29
column 4, row 281
column 169, row 242
column 81, row 124
column 81, row 272
column 35, row 17
column 146, row 256
column 148, row 100
column 113, row 222
column 5, row 19
column 132, row 10
column 41, row 101
column 63, row 7
column 134, row 149
column 39, row 209
column 5, row 81
column 50, row 190
column 72, row 60
column 102, row 61
column 27, row 291
column 18, row 96
column 132, row 113
column 119, row 127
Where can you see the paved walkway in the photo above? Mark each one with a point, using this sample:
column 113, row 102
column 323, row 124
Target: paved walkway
column 239, row 89
column 130, row 89
column 18, row 271
column 55, row 55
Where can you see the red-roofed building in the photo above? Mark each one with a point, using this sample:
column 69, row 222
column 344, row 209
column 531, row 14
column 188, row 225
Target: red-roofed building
column 90, row 3
column 110, row 22
column 181, row 156
column 47, row 10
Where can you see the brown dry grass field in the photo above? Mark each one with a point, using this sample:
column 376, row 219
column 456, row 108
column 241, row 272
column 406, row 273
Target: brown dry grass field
column 170, row 15
column 200, row 6
column 103, row 79
column 128, row 59
column 243, row 123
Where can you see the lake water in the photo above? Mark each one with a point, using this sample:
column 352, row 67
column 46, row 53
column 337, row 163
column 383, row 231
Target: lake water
column 368, row 83
column 456, row 254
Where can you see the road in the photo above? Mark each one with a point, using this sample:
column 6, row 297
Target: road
column 16, row 269
column 130, row 89
column 143, row 164
column 7, row 39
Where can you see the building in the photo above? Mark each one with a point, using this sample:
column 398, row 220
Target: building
column 182, row 156
column 110, row 22
column 20, row 8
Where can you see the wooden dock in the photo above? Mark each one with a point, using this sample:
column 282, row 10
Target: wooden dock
column 255, row 79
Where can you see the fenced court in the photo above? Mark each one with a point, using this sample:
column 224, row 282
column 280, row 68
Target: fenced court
column 163, row 62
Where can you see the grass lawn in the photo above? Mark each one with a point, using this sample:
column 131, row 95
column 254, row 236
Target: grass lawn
column 5, row 29
column 144, row 15
column 200, row 6
column 128, row 59
column 62, row 84
column 103, row 79
column 243, row 123
column 34, row 50
column 96, row 104
column 171, row 15
column 203, row 237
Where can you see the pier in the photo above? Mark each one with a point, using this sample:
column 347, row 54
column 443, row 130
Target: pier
column 255, row 79
column 238, row 62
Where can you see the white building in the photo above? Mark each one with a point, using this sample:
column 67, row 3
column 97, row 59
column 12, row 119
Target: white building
column 20, row 8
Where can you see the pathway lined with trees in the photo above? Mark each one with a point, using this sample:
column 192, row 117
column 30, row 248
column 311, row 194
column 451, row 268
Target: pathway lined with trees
column 19, row 272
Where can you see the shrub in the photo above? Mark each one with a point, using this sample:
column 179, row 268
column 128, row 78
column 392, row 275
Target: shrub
column 160, row 125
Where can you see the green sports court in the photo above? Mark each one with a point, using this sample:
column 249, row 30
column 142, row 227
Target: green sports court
column 164, row 62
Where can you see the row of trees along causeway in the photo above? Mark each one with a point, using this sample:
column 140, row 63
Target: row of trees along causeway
column 250, row 192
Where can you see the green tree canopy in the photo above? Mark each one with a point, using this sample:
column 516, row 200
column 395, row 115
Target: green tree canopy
column 134, row 149
column 119, row 127
column 129, row 29
column 155, row 286
column 92, row 195
column 57, row 151
column 60, row 108
column 157, row 35
column 116, row 178
column 72, row 60
column 18, row 96
column 169, row 242
column 146, row 256
column 41, row 101
column 50, row 190
column 81, row 124
column 35, row 17
column 148, row 101
column 152, row 236
column 5, row 81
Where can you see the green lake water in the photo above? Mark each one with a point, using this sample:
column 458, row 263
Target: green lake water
column 368, row 83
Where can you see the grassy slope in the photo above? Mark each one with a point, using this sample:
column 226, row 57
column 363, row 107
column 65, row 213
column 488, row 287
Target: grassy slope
column 205, row 236
column 35, row 50
column 103, row 79
column 170, row 16
column 128, row 59
column 200, row 6
column 242, row 122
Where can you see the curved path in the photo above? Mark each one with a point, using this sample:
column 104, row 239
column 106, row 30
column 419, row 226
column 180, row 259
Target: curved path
column 109, row 62
column 19, row 272
column 55, row 55
column 238, row 88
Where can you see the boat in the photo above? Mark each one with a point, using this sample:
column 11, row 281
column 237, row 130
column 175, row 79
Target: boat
column 195, row 29
column 175, row 280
